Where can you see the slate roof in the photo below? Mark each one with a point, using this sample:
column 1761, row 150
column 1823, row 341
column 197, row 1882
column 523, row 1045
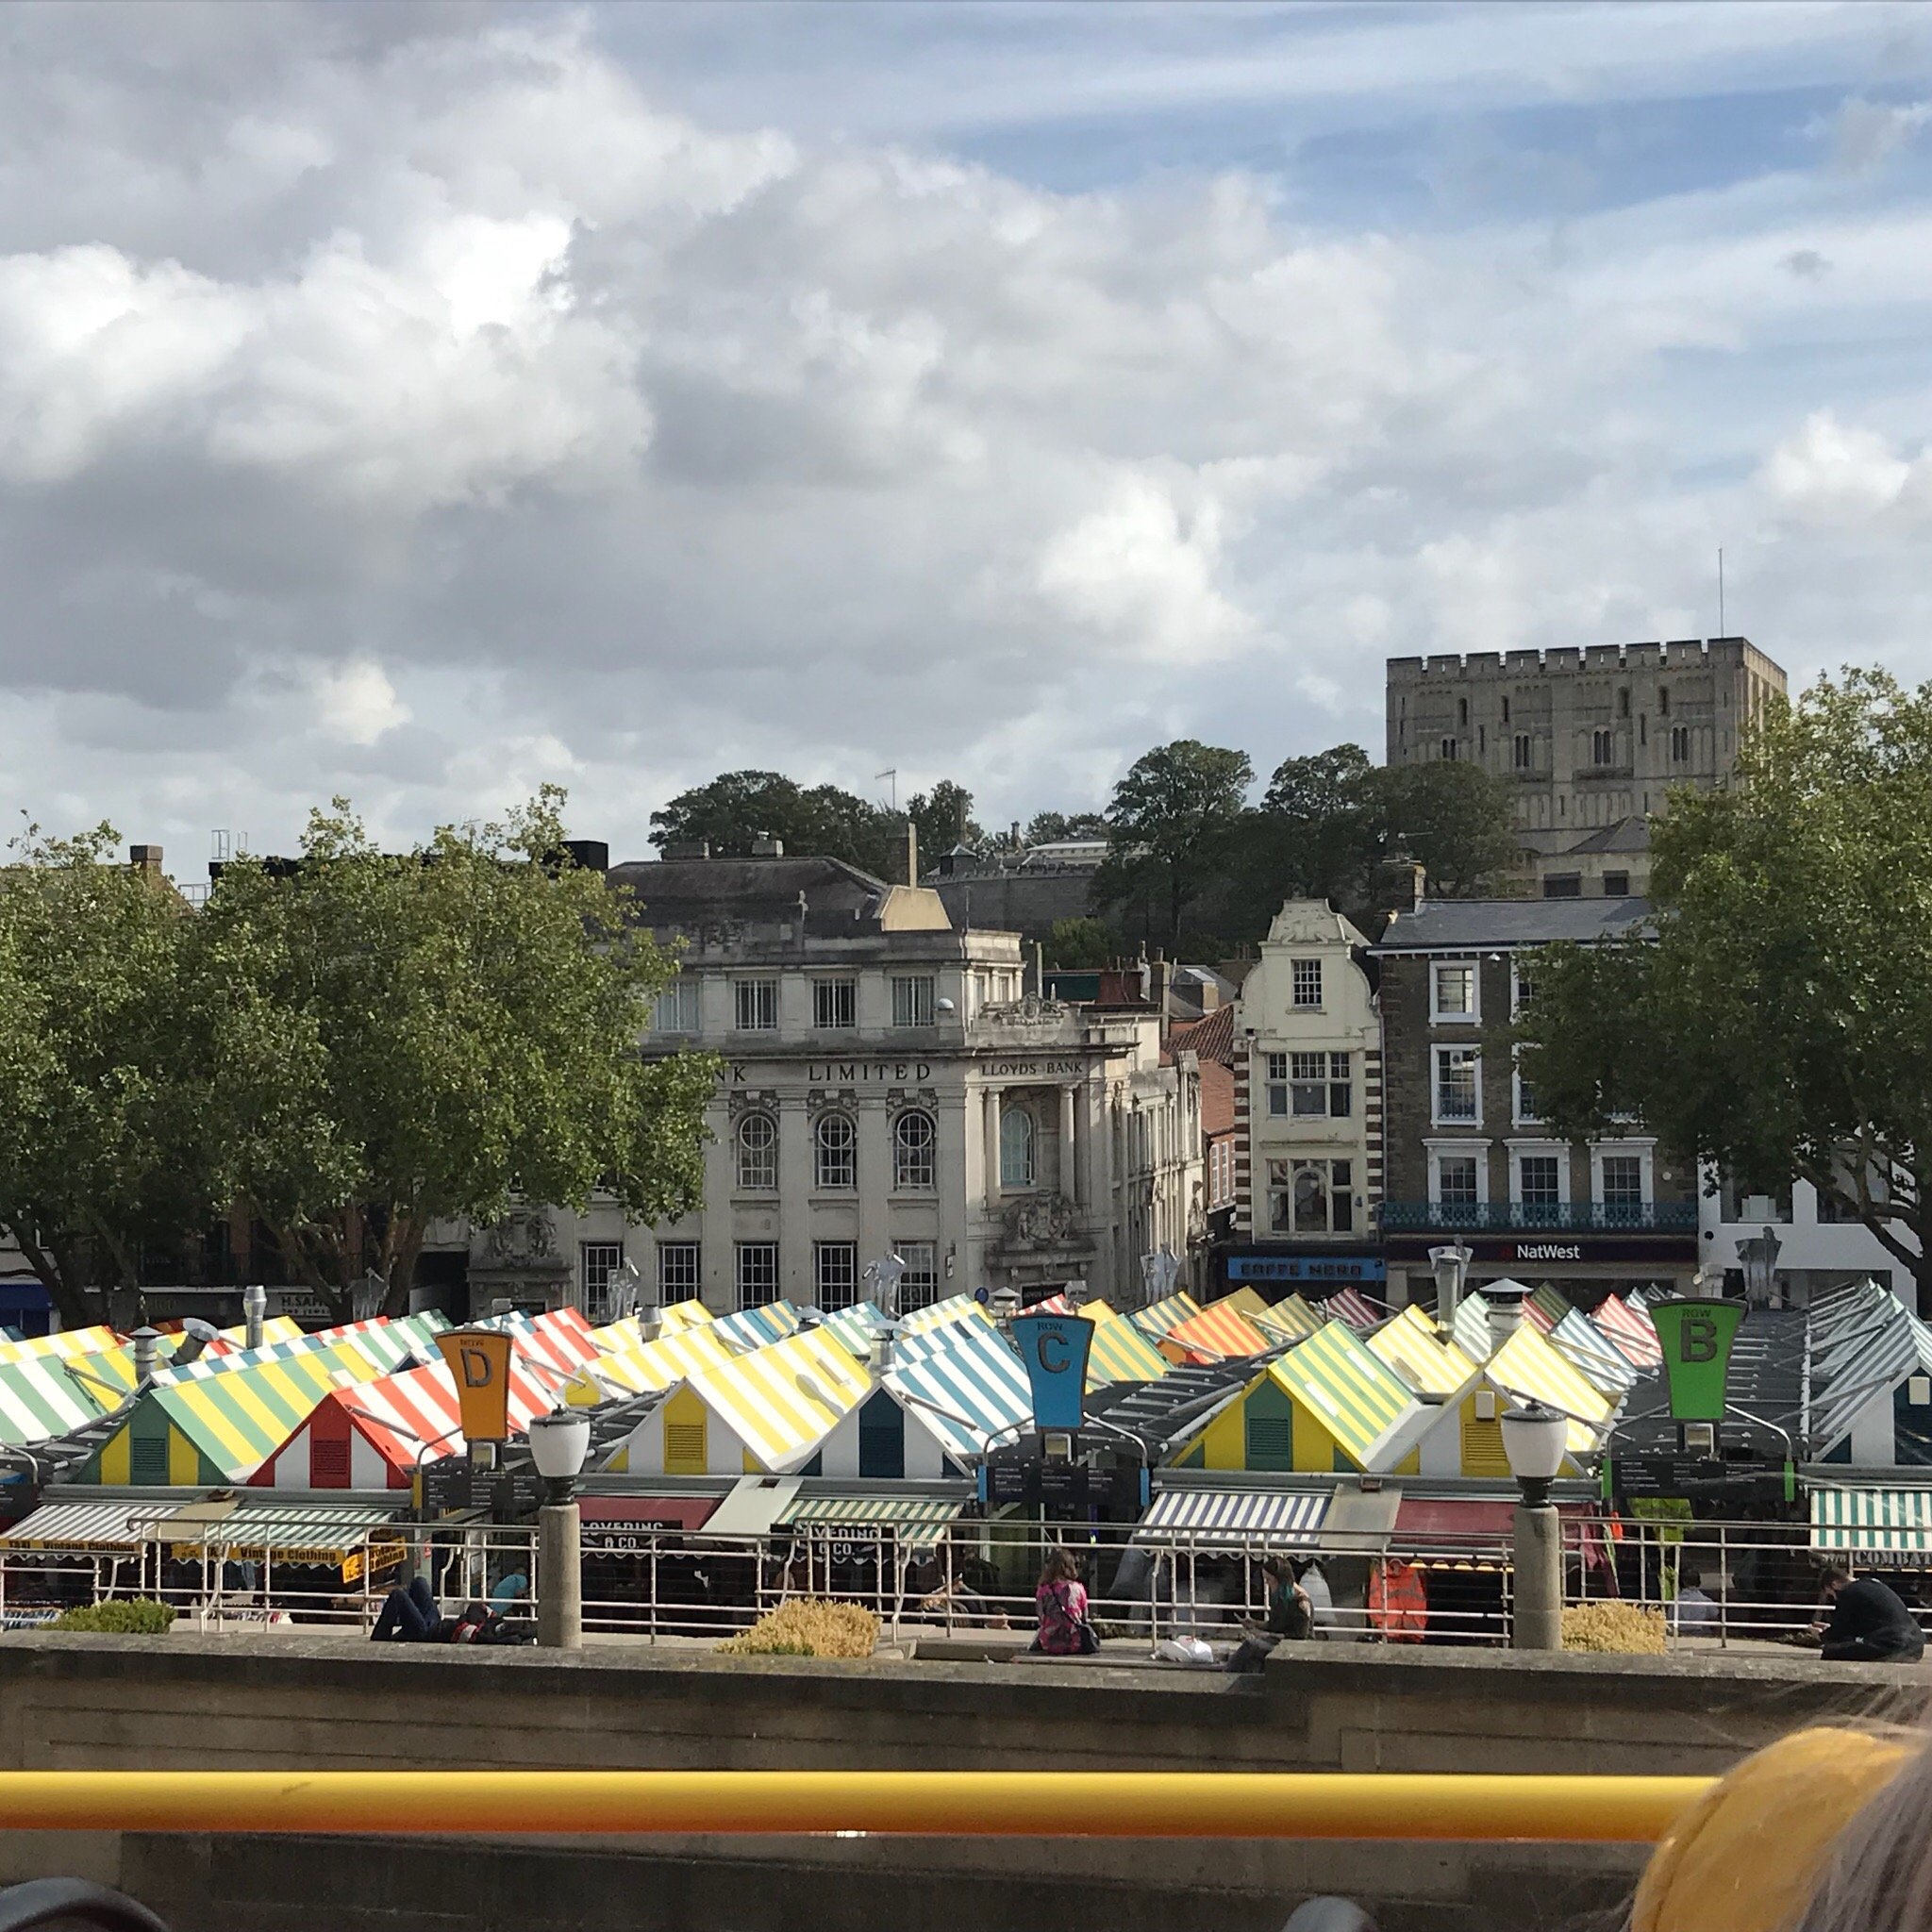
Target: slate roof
column 1465, row 925
column 684, row 894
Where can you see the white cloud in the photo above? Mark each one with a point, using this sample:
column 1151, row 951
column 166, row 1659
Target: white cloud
column 358, row 703
column 1830, row 472
column 1866, row 134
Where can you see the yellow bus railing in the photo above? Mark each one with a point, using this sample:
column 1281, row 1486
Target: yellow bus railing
column 986, row 1804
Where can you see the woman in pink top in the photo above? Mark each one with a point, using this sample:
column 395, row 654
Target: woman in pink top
column 1064, row 1630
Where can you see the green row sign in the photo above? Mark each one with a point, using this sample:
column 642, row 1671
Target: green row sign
column 1696, row 1337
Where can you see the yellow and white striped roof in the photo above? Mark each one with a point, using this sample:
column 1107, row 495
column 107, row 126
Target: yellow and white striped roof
column 956, row 1307
column 647, row 1365
column 1529, row 1368
column 783, row 1400
column 678, row 1316
column 1427, row 1359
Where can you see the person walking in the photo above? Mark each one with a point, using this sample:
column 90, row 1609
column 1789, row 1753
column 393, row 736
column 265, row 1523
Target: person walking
column 1291, row 1616
column 1061, row 1598
column 1869, row 1621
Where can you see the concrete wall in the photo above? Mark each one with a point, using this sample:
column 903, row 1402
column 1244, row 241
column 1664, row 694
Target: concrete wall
column 192, row 1702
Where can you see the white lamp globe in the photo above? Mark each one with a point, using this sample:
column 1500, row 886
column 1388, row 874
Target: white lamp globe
column 559, row 1444
column 1535, row 1439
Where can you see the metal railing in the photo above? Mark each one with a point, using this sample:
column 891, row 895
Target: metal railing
column 1539, row 1217
column 1716, row 1585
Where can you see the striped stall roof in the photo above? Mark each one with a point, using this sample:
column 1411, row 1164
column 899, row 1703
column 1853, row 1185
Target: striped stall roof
column 239, row 1419
column 39, row 1399
column 559, row 1340
column 1364, row 1404
column 1866, row 1345
column 1546, row 1305
column 1120, row 1352
column 1529, row 1369
column 112, row 1365
column 120, row 1526
column 759, row 1327
column 966, row 1383
column 1584, row 1347
column 955, row 1308
column 294, row 1533
column 1895, row 1523
column 1235, row 1519
column 1246, row 1300
column 390, row 1341
column 853, row 1329
column 1471, row 1326
column 1060, row 1304
column 1292, row 1318
column 877, row 1511
column 1631, row 1329
column 1159, row 1319
column 63, row 1343
column 1351, row 1306
column 1218, row 1333
column 677, row 1316
column 783, row 1400
column 404, row 1416
column 646, row 1366
column 1417, row 1350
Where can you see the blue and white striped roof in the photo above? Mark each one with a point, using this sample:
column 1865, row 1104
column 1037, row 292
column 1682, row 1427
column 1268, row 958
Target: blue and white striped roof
column 1236, row 1519
column 1864, row 1342
column 1586, row 1347
column 756, row 1328
column 965, row 1382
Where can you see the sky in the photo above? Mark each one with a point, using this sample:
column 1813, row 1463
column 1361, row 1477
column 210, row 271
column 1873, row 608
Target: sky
column 421, row 403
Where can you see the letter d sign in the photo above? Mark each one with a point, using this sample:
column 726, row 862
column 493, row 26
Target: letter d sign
column 478, row 1360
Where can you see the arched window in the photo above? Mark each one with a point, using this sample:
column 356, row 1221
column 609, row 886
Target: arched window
column 835, row 1143
column 914, row 1143
column 758, row 1152
column 1310, row 1201
column 1016, row 1148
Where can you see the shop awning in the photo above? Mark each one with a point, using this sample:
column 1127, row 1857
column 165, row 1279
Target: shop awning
column 122, row 1525
column 292, row 1533
column 605, row 1516
column 754, row 1505
column 1891, row 1526
column 906, row 1514
column 1469, row 1532
column 1227, row 1520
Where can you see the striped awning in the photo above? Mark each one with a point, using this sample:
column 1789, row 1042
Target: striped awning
column 122, row 1525
column 38, row 1399
column 1891, row 1525
column 1159, row 1319
column 1224, row 1520
column 1120, row 1353
column 294, row 1533
column 903, row 1513
column 1292, row 1319
column 1218, row 1333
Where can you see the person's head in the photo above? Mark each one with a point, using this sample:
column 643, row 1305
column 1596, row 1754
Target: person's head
column 1278, row 1568
column 1833, row 1578
column 1061, row 1567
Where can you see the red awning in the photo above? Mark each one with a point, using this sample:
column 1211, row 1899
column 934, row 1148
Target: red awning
column 1470, row 1529
column 643, row 1512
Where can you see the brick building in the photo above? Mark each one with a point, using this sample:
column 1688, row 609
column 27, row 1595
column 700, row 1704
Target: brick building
column 1464, row 1151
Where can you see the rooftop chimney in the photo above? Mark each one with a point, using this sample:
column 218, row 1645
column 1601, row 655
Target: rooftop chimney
column 1505, row 1315
column 909, row 855
column 688, row 848
column 1419, row 880
column 768, row 847
column 145, row 859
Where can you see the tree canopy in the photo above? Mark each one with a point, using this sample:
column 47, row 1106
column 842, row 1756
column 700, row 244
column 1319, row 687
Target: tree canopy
column 1775, row 1022
column 345, row 1048
column 1171, row 824
column 943, row 819
column 736, row 809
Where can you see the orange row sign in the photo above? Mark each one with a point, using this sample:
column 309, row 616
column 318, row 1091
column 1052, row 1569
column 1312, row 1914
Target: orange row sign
column 479, row 1359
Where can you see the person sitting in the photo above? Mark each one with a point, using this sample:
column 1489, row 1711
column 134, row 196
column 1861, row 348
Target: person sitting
column 1290, row 1615
column 1061, row 1597
column 1869, row 1623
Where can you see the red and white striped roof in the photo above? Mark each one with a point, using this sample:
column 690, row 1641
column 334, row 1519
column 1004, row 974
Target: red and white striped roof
column 560, row 1340
column 1632, row 1331
column 372, row 1436
column 1351, row 1306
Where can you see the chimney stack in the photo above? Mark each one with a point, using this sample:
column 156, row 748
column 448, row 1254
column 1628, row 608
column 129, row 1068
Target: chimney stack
column 909, row 855
column 145, row 859
column 1419, row 880
column 767, row 847
column 1506, row 1316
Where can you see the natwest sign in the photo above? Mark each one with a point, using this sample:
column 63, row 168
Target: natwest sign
column 1557, row 1250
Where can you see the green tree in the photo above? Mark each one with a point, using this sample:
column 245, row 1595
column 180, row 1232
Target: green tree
column 1775, row 1024
column 737, row 807
column 393, row 1040
column 1077, row 944
column 1047, row 828
column 1171, row 826
column 1316, row 834
column 102, row 1148
column 1456, row 817
column 944, row 817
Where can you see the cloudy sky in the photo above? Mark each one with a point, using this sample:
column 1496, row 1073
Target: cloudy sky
column 426, row 402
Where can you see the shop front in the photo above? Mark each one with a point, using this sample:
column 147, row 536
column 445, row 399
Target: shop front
column 1585, row 1267
column 1280, row 1270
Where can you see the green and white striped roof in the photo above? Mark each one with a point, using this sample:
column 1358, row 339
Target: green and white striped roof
column 1886, row 1528
column 40, row 1400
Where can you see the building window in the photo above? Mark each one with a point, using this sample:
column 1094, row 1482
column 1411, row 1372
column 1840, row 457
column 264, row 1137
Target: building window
column 834, row 1004
column 597, row 1266
column 919, row 1287
column 912, row 999
column 756, row 1005
column 677, row 1008
column 1616, row 884
column 1663, row 700
column 1680, row 745
column 1449, row 750
column 1522, row 987
column 1453, row 993
column 1506, row 710
column 757, row 1273
column 1462, row 711
column 1457, row 1091
column 1525, row 1101
column 1307, row 982
column 678, row 1276
column 1318, row 1086
column 1016, row 1147
column 1624, row 702
column 1458, row 1183
column 835, row 1153
column 835, row 1274
column 1563, row 884
column 915, row 1141
column 1622, row 1181
column 1539, row 1183
column 1601, row 747
column 1312, row 1196
column 758, row 1154
column 1278, row 1084
column 1519, row 751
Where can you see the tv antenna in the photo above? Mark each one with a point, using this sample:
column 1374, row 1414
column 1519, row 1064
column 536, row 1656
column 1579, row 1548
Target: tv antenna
column 894, row 774
column 1720, row 631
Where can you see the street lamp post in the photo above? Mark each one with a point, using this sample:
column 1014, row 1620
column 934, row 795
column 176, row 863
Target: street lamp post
column 1450, row 1266
column 1534, row 1440
column 559, row 1444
